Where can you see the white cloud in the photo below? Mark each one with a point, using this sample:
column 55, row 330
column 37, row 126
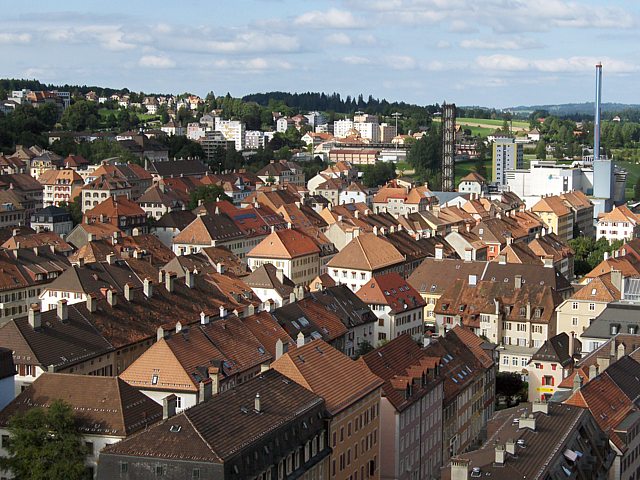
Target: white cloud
column 250, row 42
column 356, row 60
column 14, row 38
column 252, row 64
column 443, row 44
column 156, row 61
column 400, row 62
column 500, row 44
column 339, row 39
column 332, row 18
column 574, row 64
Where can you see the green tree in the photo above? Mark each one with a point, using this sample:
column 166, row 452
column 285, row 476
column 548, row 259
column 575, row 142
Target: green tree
column 364, row 348
column 508, row 384
column 206, row 193
column 378, row 174
column 80, row 116
column 45, row 444
column 541, row 150
column 425, row 156
column 74, row 208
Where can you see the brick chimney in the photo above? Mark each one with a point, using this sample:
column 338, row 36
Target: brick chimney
column 439, row 251
column 35, row 319
column 62, row 310
column 204, row 318
column 517, row 282
column 190, row 278
column 205, row 390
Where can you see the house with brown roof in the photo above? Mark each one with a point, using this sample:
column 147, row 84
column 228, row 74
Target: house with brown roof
column 411, row 382
column 158, row 200
column 120, row 212
column 216, row 230
column 539, row 441
column 84, row 233
column 618, row 224
column 552, row 363
column 270, row 284
column 215, row 354
column 290, row 250
column 582, row 209
column 577, row 312
column 268, row 427
column 60, row 186
column 366, row 256
column 520, row 316
column 36, row 240
column 103, row 187
column 550, row 245
column 556, row 215
column 106, row 409
column 398, row 200
column 282, row 172
column 468, row 374
column 352, row 399
column 611, row 397
column 398, row 306
column 473, row 183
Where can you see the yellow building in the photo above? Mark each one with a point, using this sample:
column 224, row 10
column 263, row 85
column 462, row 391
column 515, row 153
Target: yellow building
column 557, row 217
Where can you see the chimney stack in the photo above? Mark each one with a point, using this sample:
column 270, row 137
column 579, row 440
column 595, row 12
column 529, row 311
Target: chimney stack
column 577, row 382
column 35, row 320
column 539, row 406
column 257, row 404
column 596, row 123
column 170, row 280
column 92, row 303
column 527, row 421
column 439, row 251
column 616, row 280
column 128, row 292
column 205, row 390
column 147, row 287
column 111, row 258
column 468, row 254
column 620, row 353
column 223, row 311
column 112, row 297
column 169, row 406
column 204, row 318
column 459, row 469
column 189, row 278
column 572, row 343
column 518, row 282
column 280, row 275
column 593, row 371
column 510, row 446
column 500, row 455
column 300, row 340
column 159, row 334
column 220, row 268
column 279, row 348
column 63, row 311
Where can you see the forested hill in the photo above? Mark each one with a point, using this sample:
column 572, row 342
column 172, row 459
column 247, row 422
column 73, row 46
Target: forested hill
column 334, row 102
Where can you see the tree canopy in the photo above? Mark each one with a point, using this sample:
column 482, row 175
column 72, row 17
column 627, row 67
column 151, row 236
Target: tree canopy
column 208, row 194
column 45, row 444
column 425, row 156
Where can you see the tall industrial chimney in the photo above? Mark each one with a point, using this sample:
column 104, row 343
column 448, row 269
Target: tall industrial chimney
column 596, row 123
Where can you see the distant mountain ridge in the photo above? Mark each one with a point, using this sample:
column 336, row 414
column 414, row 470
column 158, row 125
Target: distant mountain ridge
column 585, row 108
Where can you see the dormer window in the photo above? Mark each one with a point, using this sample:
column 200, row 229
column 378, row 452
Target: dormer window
column 615, row 328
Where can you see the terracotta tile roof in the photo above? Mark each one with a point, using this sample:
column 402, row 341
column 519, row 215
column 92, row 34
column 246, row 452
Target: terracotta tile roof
column 206, row 228
column 287, row 243
column 610, row 397
column 340, row 381
column 75, row 161
column 551, row 244
column 207, row 436
column 576, row 199
column 310, row 319
column 56, row 342
column 367, row 252
column 268, row 331
column 159, row 194
column 108, row 182
column 474, row 177
column 57, row 177
column 401, row 362
column 551, row 204
column 117, row 207
column 33, row 240
column 620, row 214
column 102, row 405
column 628, row 265
column 519, row 253
column 390, row 290
column 599, row 289
column 231, row 263
column 436, row 276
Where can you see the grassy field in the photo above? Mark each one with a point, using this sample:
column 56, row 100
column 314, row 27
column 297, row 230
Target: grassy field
column 489, row 121
column 633, row 173
column 465, row 168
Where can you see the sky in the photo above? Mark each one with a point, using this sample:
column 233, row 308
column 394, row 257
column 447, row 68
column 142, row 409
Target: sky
column 494, row 53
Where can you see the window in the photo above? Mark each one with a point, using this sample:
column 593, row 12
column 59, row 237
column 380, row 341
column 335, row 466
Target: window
column 574, row 305
column 574, row 321
column 160, row 470
column 592, row 306
column 89, row 447
column 124, row 467
column 195, row 474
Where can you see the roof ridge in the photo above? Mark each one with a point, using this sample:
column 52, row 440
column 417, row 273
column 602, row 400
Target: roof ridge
column 124, row 422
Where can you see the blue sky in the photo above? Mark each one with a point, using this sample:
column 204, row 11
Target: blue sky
column 484, row 52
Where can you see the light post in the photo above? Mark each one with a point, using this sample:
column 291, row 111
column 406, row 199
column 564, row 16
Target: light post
column 396, row 115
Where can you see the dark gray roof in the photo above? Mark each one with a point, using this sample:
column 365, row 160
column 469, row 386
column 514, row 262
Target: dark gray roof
column 227, row 424
column 175, row 168
column 265, row 276
column 622, row 315
column 346, row 304
column 177, row 219
column 556, row 349
column 51, row 214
